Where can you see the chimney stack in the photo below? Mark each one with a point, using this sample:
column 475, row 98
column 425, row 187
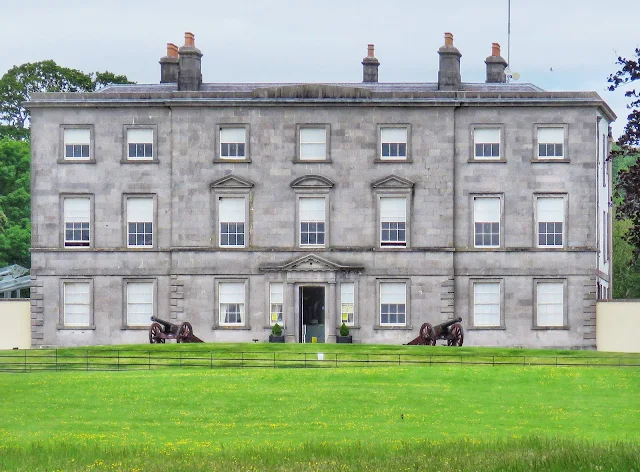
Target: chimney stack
column 169, row 65
column 496, row 66
column 190, row 72
column 449, row 73
column 370, row 67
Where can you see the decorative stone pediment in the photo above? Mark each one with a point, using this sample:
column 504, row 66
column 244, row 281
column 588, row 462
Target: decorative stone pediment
column 393, row 182
column 311, row 262
column 232, row 182
column 312, row 91
column 312, row 182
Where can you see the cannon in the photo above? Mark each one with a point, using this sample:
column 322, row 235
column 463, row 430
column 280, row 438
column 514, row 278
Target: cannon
column 450, row 330
column 161, row 330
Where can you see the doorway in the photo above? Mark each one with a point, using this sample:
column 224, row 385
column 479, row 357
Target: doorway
column 312, row 310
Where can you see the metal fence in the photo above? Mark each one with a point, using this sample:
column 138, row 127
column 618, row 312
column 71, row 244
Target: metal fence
column 126, row 360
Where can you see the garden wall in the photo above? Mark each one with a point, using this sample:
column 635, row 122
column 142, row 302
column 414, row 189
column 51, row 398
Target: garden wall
column 618, row 325
column 15, row 323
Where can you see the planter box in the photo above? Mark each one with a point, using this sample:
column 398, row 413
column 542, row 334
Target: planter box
column 344, row 339
column 276, row 339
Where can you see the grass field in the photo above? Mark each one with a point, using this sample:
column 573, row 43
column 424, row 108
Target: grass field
column 408, row 417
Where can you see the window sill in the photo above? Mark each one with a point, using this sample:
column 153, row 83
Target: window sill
column 75, row 328
column 487, row 160
column 393, row 248
column 245, row 160
column 77, row 161
column 78, row 248
column 134, row 328
column 549, row 161
column 232, row 328
column 377, row 160
column 392, row 328
column 140, row 161
column 312, row 161
column 140, row 248
column 551, row 328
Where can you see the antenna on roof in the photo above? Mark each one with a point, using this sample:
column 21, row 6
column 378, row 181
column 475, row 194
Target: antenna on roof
column 509, row 32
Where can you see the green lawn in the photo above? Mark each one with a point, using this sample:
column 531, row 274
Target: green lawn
column 350, row 418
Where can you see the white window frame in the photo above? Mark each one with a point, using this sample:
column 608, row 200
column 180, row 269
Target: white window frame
column 477, row 132
column 536, row 295
column 381, row 287
column 148, row 144
column 347, row 304
column 276, row 299
column 538, row 142
column 243, row 309
column 225, row 221
column 475, row 221
column 325, row 233
column 476, row 284
column 300, row 131
column 149, row 199
column 400, row 243
column 66, row 218
column 382, row 142
column 127, row 304
column 236, row 126
column 67, row 283
column 66, row 139
column 538, row 221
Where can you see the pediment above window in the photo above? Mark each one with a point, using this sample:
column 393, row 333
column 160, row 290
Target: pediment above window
column 311, row 91
column 393, row 182
column 311, row 262
column 316, row 182
column 232, row 182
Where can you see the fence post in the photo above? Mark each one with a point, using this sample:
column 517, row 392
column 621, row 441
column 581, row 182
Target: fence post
column 87, row 360
column 305, row 360
column 56, row 360
column 25, row 360
column 118, row 359
column 274, row 360
column 180, row 352
column 398, row 359
column 211, row 359
column 149, row 354
column 336, row 359
column 242, row 353
column 524, row 360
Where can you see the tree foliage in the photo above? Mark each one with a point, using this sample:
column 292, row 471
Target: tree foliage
column 19, row 82
column 627, row 189
column 15, row 203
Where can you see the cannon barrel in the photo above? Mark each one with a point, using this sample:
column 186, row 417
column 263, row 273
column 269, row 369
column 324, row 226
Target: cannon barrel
column 446, row 324
column 167, row 326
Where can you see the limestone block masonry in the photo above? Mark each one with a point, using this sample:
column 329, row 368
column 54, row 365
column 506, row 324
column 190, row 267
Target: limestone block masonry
column 381, row 205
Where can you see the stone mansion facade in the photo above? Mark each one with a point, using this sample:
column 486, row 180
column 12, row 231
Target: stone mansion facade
column 380, row 205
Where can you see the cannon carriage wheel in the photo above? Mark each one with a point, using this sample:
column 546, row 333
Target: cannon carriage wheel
column 184, row 332
column 427, row 334
column 456, row 335
column 155, row 334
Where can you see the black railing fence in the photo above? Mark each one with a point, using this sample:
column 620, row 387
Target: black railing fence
column 125, row 360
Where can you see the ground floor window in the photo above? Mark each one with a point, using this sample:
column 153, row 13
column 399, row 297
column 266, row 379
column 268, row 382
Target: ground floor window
column 550, row 304
column 347, row 301
column 486, row 304
column 276, row 302
column 77, row 304
column 139, row 303
column 393, row 303
column 231, row 296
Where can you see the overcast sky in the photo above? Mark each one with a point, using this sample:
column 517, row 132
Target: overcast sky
column 555, row 44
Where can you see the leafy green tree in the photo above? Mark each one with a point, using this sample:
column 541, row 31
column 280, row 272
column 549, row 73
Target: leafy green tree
column 15, row 203
column 626, row 270
column 17, row 85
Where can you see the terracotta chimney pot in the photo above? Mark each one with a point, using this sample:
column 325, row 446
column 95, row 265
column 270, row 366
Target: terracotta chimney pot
column 172, row 50
column 495, row 49
column 448, row 39
column 189, row 40
column 370, row 51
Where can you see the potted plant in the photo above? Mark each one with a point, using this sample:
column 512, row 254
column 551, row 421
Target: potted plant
column 276, row 335
column 343, row 337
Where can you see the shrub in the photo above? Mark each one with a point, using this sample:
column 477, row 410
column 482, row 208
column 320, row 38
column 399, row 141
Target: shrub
column 344, row 330
column 276, row 330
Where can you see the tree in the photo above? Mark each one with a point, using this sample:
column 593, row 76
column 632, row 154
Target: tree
column 15, row 203
column 627, row 190
column 17, row 85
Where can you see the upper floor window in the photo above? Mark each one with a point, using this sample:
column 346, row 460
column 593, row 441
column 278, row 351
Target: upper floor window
column 550, row 216
column 486, row 221
column 393, row 303
column 313, row 143
column 347, row 303
column 140, row 222
column 551, row 142
column 312, row 221
column 394, row 143
column 77, row 144
column 140, row 143
column 233, row 140
column 486, row 142
column 393, row 221
column 231, row 299
column 276, row 303
column 232, row 219
column 77, row 221
column 77, row 304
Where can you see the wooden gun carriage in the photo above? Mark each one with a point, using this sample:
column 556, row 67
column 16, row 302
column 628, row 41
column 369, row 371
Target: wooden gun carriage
column 161, row 330
column 450, row 330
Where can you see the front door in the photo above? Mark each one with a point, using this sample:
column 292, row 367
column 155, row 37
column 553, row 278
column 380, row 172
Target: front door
column 311, row 314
